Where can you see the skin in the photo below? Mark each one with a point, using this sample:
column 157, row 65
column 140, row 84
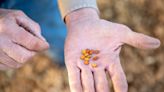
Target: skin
column 87, row 30
column 20, row 39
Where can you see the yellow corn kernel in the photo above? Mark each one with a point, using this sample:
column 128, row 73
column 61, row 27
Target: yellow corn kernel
column 86, row 59
column 90, row 52
column 89, row 56
column 94, row 65
column 82, row 57
column 83, row 51
column 87, row 50
column 86, row 62
column 86, row 54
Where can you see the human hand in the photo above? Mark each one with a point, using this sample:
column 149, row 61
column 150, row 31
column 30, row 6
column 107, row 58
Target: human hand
column 20, row 39
column 86, row 30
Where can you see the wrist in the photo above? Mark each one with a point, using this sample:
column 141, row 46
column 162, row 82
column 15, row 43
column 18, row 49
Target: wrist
column 81, row 15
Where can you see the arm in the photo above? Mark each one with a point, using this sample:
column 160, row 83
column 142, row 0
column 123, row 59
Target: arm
column 87, row 30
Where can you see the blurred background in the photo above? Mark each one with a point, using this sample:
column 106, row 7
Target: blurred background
column 144, row 69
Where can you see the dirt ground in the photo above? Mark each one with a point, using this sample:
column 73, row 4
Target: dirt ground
column 144, row 69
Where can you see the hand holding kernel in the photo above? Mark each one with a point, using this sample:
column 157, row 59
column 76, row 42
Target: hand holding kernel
column 91, row 32
column 20, row 39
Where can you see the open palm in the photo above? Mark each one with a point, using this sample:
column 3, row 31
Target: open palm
column 107, row 37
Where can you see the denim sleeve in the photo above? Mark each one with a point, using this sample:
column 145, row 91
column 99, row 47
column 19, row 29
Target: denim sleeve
column 67, row 6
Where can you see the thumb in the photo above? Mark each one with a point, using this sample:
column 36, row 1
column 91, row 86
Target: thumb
column 141, row 41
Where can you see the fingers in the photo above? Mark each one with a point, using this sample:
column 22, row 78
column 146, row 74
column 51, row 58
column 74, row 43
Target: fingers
column 23, row 31
column 141, row 41
column 29, row 41
column 87, row 80
column 74, row 79
column 18, row 53
column 118, row 77
column 28, row 24
column 101, row 82
column 8, row 62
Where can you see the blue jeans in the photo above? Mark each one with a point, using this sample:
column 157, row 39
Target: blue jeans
column 46, row 13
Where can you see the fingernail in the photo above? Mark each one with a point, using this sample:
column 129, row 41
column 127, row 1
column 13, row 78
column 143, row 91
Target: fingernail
column 155, row 43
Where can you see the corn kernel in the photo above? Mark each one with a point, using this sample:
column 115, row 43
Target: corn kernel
column 94, row 65
column 83, row 51
column 95, row 58
column 86, row 54
column 90, row 52
column 86, row 62
column 89, row 56
column 86, row 59
column 87, row 50
column 82, row 57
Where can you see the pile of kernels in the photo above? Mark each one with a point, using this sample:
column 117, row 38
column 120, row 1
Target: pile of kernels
column 89, row 54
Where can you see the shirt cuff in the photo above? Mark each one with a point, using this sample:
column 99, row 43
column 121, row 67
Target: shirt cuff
column 67, row 6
